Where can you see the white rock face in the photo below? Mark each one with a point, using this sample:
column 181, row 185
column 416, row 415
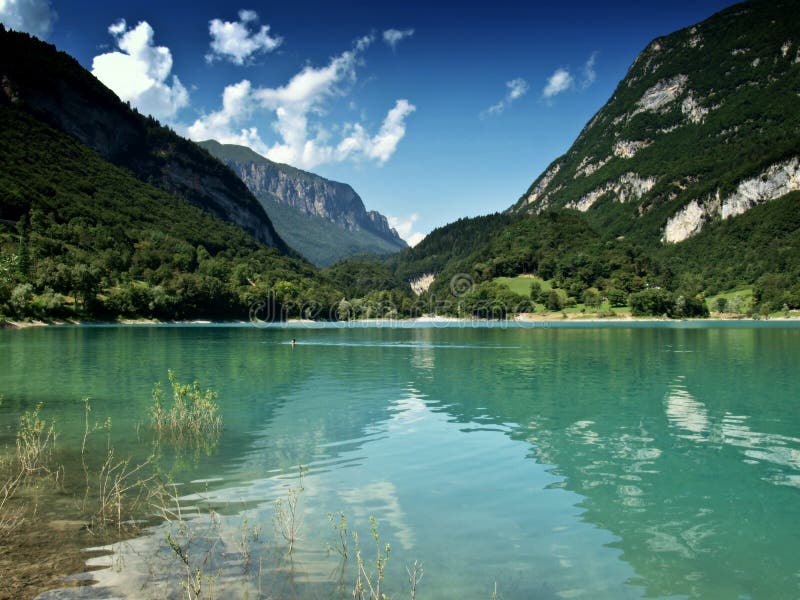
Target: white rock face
column 586, row 168
column 778, row 180
column 422, row 283
column 756, row 62
column 662, row 94
column 692, row 110
column 628, row 148
column 545, row 181
column 628, row 187
column 785, row 48
column 685, row 223
column 695, row 41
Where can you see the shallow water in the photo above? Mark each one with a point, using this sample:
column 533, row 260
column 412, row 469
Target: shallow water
column 560, row 462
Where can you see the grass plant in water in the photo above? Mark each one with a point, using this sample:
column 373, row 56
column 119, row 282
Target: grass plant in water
column 368, row 583
column 194, row 413
column 285, row 513
column 36, row 441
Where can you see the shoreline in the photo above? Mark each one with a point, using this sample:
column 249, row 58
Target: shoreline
column 550, row 318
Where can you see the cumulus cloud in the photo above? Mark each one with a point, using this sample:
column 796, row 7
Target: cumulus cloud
column 32, row 16
column 517, row 88
column 405, row 228
column 292, row 108
column 140, row 72
column 394, row 36
column 589, row 74
column 382, row 145
column 236, row 42
column 558, row 82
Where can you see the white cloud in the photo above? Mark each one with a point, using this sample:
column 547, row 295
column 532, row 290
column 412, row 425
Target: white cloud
column 300, row 142
column 237, row 106
column 559, row 82
column 33, row 16
column 382, row 145
column 235, row 41
column 139, row 72
column 517, row 88
column 589, row 74
column 394, row 36
column 405, row 228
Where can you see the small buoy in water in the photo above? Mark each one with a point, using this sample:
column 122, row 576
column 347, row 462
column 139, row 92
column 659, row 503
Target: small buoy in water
column 293, row 342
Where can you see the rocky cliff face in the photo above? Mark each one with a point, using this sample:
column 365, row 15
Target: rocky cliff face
column 705, row 126
column 53, row 87
column 308, row 193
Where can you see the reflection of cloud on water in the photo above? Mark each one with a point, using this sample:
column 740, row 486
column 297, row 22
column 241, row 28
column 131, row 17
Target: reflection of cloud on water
column 691, row 416
column 379, row 496
column 628, row 457
column 760, row 447
column 684, row 412
column 407, row 411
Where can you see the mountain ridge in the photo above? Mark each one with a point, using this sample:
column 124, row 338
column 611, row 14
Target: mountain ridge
column 701, row 114
column 362, row 231
column 694, row 156
column 52, row 86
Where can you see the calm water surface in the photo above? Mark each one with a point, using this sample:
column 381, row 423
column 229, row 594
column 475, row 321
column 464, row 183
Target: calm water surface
column 590, row 462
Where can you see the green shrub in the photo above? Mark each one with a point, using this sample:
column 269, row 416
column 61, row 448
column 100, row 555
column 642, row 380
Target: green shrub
column 193, row 412
column 21, row 299
column 651, row 302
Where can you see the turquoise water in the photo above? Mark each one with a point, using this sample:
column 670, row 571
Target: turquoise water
column 559, row 462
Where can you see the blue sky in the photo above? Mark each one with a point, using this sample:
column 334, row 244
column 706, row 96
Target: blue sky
column 431, row 110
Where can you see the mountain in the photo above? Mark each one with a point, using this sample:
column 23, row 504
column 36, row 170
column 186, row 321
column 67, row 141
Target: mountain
column 52, row 87
column 686, row 180
column 324, row 220
column 704, row 126
column 105, row 214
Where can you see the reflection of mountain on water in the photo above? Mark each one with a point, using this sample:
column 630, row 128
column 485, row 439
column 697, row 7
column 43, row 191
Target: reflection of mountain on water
column 655, row 438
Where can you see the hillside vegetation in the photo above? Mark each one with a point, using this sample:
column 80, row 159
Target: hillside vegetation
column 80, row 237
column 52, row 87
column 684, row 185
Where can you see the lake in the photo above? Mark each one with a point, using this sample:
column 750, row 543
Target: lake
column 616, row 461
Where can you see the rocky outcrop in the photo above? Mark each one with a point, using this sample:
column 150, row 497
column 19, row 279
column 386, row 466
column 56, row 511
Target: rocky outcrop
column 306, row 192
column 587, row 167
column 310, row 194
column 775, row 182
column 692, row 110
column 627, row 188
column 540, row 187
column 422, row 283
column 661, row 95
column 778, row 180
column 628, row 149
column 685, row 223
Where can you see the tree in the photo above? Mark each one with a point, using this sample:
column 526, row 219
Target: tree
column 591, row 297
column 652, row 302
column 21, row 299
column 721, row 304
column 554, row 302
column 85, row 283
column 24, row 262
column 616, row 297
